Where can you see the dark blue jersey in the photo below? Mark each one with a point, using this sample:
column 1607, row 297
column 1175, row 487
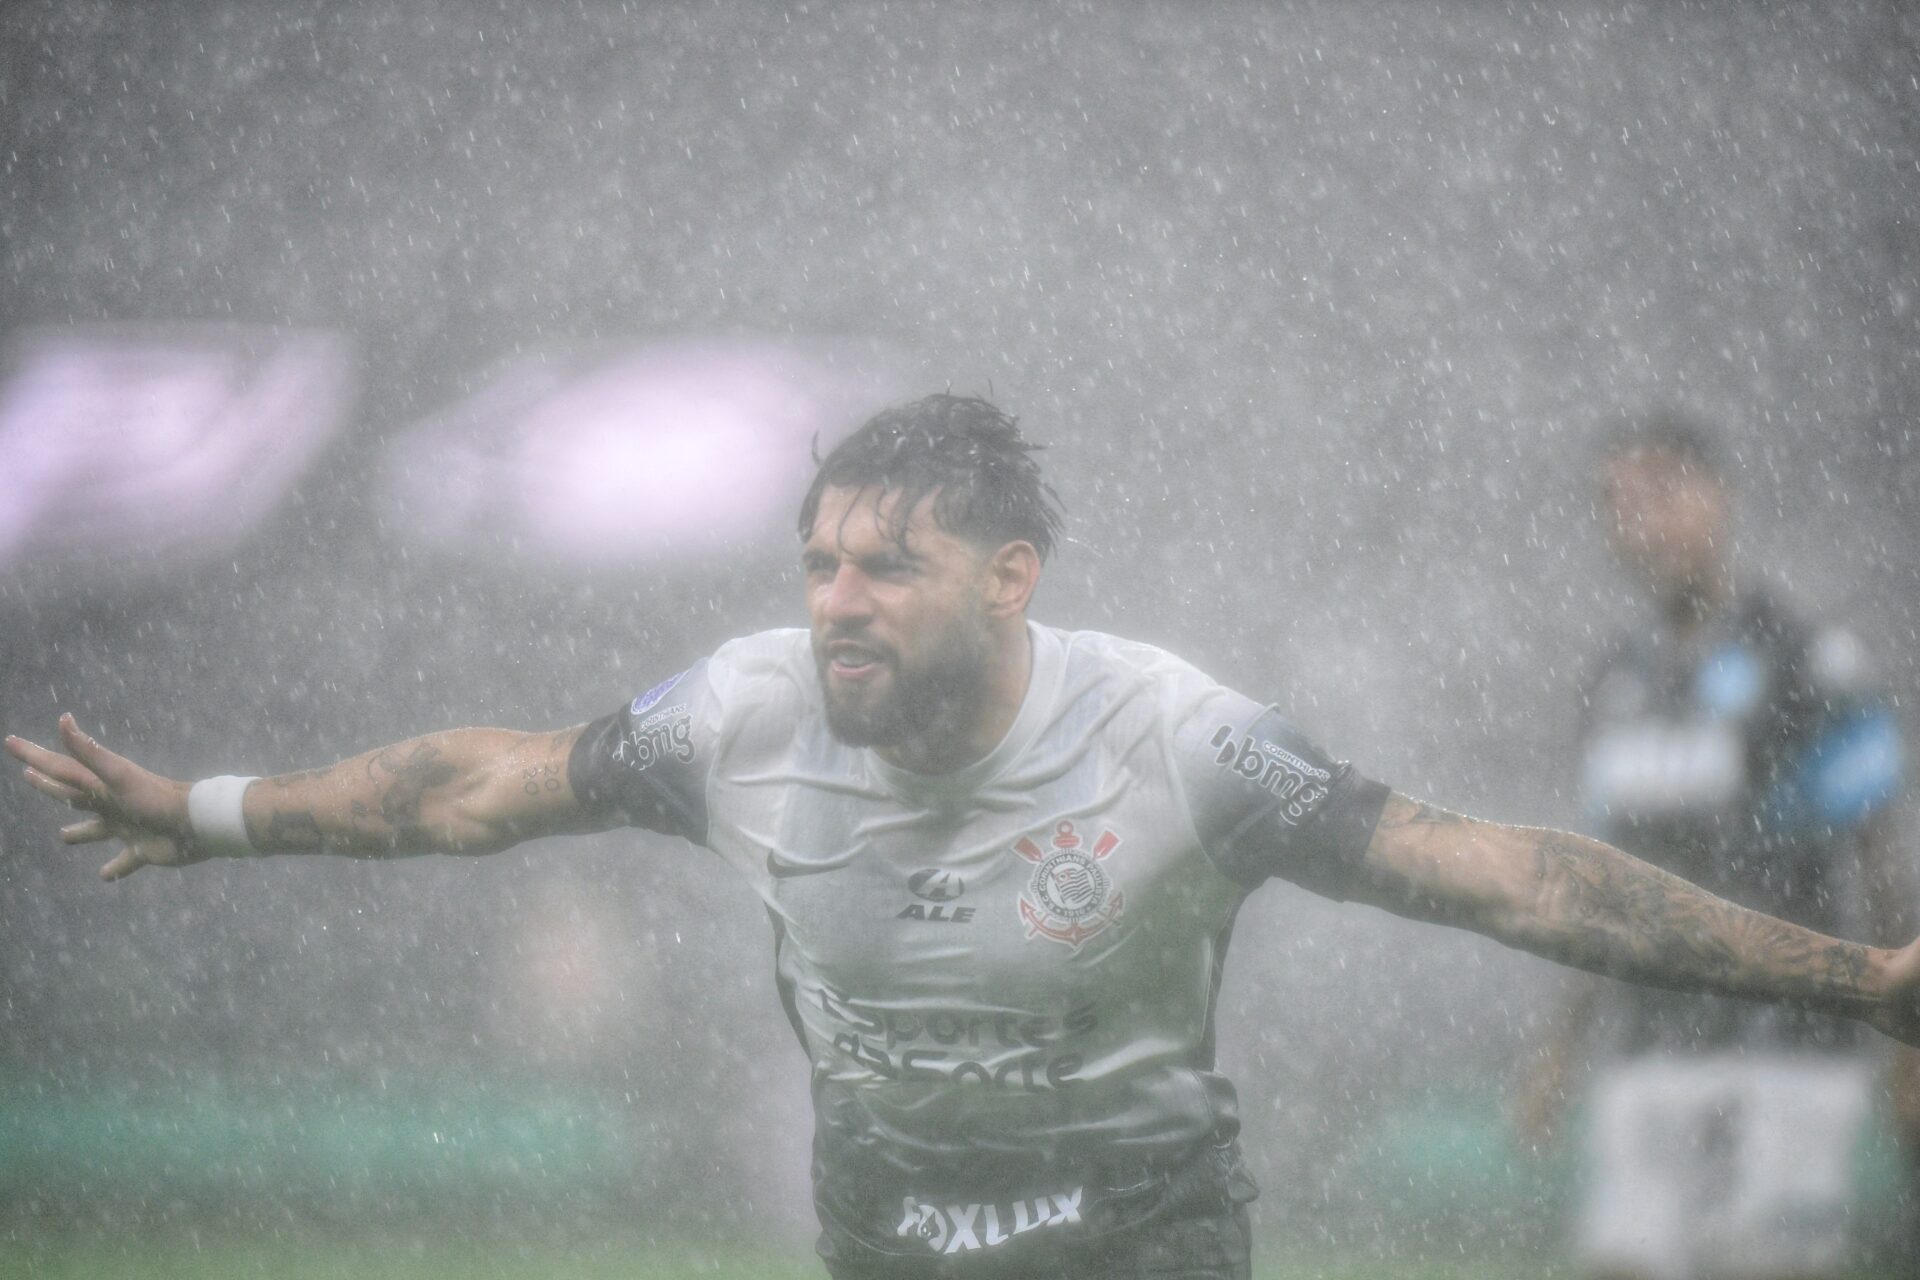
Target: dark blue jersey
column 1746, row 758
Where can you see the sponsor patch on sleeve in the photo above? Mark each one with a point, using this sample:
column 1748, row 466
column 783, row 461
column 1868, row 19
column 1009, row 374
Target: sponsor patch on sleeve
column 646, row 701
column 667, row 734
column 1299, row 785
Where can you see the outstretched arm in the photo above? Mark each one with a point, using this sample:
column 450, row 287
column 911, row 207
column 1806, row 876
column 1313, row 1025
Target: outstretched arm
column 462, row 791
column 1587, row 904
column 1892, row 903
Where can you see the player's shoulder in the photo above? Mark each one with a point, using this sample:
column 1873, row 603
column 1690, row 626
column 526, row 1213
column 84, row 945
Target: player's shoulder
column 1118, row 669
column 1098, row 652
column 1826, row 652
column 764, row 653
column 762, row 669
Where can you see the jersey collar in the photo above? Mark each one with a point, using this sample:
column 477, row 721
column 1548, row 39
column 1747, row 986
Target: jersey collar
column 1043, row 684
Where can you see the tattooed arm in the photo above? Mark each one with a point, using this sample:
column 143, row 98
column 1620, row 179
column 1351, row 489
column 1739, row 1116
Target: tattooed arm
column 1892, row 910
column 1587, row 904
column 463, row 791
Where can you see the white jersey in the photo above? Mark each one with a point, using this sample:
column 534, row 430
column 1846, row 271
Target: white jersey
column 1004, row 977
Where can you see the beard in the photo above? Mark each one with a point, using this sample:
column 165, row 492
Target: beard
column 943, row 690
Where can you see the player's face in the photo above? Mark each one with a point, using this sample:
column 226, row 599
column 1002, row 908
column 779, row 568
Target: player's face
column 900, row 630
column 1667, row 519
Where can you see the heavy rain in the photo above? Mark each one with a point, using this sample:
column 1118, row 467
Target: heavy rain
column 384, row 367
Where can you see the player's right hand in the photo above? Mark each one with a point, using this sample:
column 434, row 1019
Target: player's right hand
column 122, row 801
column 1899, row 1012
column 1537, row 1108
column 1903, row 1097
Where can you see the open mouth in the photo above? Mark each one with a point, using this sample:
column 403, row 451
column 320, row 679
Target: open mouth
column 850, row 661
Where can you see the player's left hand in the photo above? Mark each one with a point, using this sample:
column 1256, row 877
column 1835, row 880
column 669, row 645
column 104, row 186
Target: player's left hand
column 144, row 811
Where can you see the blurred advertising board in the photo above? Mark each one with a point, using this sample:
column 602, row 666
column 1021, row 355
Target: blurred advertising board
column 627, row 453
column 166, row 441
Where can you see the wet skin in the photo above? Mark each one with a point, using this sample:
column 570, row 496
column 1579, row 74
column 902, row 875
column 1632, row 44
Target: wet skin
column 920, row 639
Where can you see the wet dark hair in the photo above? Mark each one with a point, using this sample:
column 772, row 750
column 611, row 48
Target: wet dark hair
column 965, row 451
column 1670, row 433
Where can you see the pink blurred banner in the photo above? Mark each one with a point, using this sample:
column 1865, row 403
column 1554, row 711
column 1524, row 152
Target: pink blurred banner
column 163, row 440
column 624, row 454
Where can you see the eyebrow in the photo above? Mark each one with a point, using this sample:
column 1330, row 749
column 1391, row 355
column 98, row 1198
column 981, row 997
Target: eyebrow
column 810, row 556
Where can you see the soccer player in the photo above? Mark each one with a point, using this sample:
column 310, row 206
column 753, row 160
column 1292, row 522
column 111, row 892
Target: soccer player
column 1002, row 863
column 1734, row 743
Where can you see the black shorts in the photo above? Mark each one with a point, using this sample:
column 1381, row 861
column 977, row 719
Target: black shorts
column 1198, row 1231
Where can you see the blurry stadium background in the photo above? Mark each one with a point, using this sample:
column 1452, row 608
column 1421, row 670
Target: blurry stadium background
column 393, row 366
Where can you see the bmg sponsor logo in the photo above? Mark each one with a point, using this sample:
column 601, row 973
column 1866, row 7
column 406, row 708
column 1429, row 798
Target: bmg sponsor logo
column 1298, row 786
column 958, row 1228
column 663, row 735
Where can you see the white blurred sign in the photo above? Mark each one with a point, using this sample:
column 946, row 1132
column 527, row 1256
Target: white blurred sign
column 161, row 440
column 626, row 454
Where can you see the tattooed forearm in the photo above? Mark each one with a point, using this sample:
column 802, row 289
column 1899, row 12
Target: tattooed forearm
column 464, row 791
column 282, row 781
column 403, row 782
column 291, row 829
column 1602, row 910
column 1587, row 904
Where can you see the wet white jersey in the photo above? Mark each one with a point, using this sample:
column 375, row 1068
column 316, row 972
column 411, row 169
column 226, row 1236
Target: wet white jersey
column 1005, row 976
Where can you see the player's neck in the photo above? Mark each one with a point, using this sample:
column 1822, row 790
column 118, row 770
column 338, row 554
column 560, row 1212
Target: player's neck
column 1692, row 605
column 956, row 741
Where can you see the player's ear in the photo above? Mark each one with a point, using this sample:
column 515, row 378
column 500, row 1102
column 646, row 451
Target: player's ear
column 1013, row 572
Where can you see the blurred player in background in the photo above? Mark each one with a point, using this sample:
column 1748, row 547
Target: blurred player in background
column 1735, row 743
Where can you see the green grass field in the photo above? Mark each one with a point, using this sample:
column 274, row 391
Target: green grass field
column 452, row 1260
column 409, row 1185
column 403, row 1258
column 443, row 1260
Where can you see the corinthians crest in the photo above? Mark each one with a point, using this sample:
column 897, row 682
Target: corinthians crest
column 1070, row 896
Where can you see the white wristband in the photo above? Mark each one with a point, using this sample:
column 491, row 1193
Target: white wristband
column 213, row 811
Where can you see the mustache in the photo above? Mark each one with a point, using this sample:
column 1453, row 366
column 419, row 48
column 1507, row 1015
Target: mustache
column 841, row 635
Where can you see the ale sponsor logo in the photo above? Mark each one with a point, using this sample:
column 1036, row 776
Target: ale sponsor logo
column 958, row 1228
column 935, row 885
column 939, row 888
column 1069, row 897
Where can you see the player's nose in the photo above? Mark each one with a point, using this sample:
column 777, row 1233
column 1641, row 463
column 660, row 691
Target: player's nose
column 847, row 597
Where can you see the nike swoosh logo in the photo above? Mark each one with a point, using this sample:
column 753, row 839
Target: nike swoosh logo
column 780, row 869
